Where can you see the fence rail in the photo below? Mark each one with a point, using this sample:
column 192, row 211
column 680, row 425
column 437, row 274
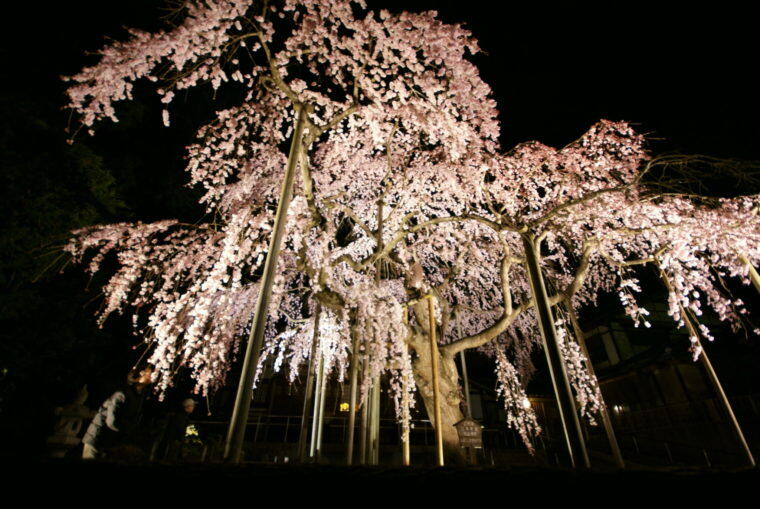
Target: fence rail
column 692, row 433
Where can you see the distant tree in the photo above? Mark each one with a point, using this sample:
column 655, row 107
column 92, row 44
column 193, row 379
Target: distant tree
column 46, row 351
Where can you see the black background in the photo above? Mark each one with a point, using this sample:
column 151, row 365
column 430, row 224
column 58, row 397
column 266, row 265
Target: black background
column 684, row 74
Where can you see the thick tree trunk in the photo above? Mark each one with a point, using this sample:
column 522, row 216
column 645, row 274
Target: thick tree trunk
column 450, row 400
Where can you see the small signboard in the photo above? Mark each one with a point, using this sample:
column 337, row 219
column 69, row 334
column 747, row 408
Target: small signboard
column 470, row 433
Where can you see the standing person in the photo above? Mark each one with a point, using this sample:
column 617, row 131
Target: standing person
column 175, row 429
column 117, row 417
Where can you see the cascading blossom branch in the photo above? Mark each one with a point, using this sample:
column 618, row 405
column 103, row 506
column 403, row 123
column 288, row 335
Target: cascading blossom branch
column 591, row 203
column 374, row 70
column 190, row 283
column 587, row 391
column 694, row 247
column 594, row 220
column 193, row 48
column 520, row 414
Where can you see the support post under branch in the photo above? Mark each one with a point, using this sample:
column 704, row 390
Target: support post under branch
column 236, row 432
column 576, row 444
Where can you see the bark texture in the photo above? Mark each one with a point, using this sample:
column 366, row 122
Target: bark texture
column 450, row 398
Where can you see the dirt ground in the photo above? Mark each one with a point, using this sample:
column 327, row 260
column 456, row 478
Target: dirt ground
column 197, row 485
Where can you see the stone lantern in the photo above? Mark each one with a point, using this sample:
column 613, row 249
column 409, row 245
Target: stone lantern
column 71, row 418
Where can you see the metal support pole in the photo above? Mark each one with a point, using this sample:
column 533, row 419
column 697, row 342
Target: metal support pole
column 465, row 376
column 576, row 446
column 466, row 379
column 318, row 386
column 753, row 274
column 374, row 427
column 472, row 456
column 315, row 411
column 369, row 431
column 713, row 377
column 352, row 398
column 364, row 426
column 303, row 436
column 321, row 416
column 436, row 390
column 405, row 450
column 726, row 404
column 236, row 433
column 405, row 445
column 606, row 421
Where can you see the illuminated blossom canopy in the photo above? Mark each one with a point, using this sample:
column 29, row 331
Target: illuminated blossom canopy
column 402, row 195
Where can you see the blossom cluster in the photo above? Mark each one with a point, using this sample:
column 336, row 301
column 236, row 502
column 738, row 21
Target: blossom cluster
column 520, row 414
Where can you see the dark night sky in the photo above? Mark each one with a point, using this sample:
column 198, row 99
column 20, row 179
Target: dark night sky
column 684, row 76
